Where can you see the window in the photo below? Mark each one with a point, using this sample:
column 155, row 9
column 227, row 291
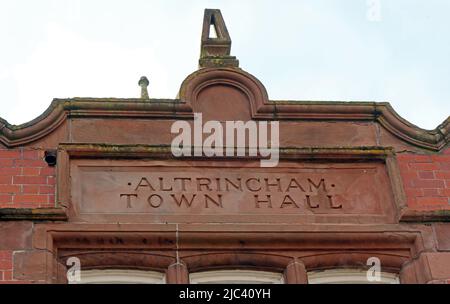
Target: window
column 349, row 276
column 121, row 276
column 236, row 277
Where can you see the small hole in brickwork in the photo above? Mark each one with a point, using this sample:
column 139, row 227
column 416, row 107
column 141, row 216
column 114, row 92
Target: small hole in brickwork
column 50, row 157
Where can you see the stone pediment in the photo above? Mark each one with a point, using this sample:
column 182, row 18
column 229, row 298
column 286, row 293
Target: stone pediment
column 220, row 90
column 225, row 94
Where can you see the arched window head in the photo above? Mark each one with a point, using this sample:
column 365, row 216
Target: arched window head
column 120, row 276
column 351, row 276
column 236, row 277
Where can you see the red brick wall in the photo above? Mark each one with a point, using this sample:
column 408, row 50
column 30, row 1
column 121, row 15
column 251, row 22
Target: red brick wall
column 6, row 265
column 426, row 179
column 26, row 181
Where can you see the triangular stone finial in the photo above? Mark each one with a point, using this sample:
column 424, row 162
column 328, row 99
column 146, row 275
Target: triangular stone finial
column 216, row 42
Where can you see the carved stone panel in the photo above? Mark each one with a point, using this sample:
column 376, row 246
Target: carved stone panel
column 230, row 191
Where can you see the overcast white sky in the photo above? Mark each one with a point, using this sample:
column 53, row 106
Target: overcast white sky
column 369, row 50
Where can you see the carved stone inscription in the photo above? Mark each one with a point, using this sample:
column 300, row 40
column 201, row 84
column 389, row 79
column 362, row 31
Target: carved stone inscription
column 169, row 190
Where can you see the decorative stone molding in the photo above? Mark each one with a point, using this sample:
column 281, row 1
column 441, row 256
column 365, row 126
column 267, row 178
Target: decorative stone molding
column 421, row 216
column 120, row 276
column 349, row 276
column 261, row 108
column 29, row 214
column 236, row 276
column 271, row 249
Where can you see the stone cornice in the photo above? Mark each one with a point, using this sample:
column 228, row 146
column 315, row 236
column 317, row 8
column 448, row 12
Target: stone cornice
column 86, row 150
column 261, row 108
column 29, row 214
column 62, row 109
column 417, row 216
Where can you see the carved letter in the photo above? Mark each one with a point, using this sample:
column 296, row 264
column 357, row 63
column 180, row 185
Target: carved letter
column 268, row 201
column 183, row 199
column 311, row 184
column 277, row 184
column 288, row 201
column 218, row 187
column 236, row 186
column 332, row 205
column 161, row 185
column 217, row 203
column 129, row 196
column 308, row 201
column 150, row 201
column 183, row 180
column 203, row 182
column 144, row 183
column 247, row 183
column 294, row 184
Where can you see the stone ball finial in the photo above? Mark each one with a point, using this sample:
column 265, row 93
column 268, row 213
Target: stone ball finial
column 143, row 83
